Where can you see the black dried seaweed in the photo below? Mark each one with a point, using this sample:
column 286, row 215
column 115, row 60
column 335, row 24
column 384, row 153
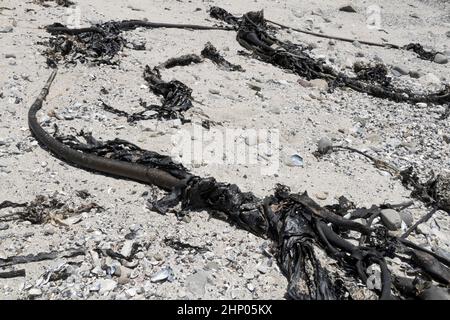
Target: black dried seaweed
column 42, row 256
column 254, row 35
column 176, row 99
column 211, row 53
column 176, row 95
column 420, row 51
column 44, row 209
column 434, row 192
column 63, row 3
column 12, row 274
column 376, row 74
column 183, row 60
column 180, row 246
column 99, row 45
column 122, row 150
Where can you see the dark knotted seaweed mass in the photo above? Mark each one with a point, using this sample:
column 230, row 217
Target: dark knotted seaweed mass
column 211, row 53
column 254, row 35
column 176, row 99
column 99, row 43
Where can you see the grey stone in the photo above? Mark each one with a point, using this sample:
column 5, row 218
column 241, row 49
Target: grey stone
column 295, row 161
column 423, row 229
column 6, row 29
column 34, row 293
column 414, row 74
column 320, row 84
column 324, row 145
column 164, row 274
column 276, row 110
column 262, row 268
column 127, row 248
column 347, row 8
column 357, row 44
column 395, row 73
column 440, row 58
column 446, row 138
column 391, row 219
column 407, row 217
column 402, row 70
column 4, row 226
column 106, row 285
column 254, row 86
column 196, row 283
column 321, row 195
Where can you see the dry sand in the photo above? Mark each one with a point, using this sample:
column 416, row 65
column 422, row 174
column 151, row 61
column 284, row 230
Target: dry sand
column 400, row 133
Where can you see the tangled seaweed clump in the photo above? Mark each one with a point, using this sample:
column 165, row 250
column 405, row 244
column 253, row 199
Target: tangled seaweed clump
column 98, row 45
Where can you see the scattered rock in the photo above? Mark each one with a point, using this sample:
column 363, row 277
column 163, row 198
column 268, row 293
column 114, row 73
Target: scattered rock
column 164, row 274
column 347, row 8
column 324, row 145
column 357, row 44
column 440, row 58
column 304, row 83
column 446, row 138
column 34, row 293
column 138, row 45
column 401, row 70
column 415, row 74
column 7, row 29
column 105, row 285
column 295, row 161
column 196, row 283
column 320, row 84
column 421, row 105
column 127, row 248
column 423, row 229
column 131, row 292
column 407, row 217
column 254, row 87
column 276, row 110
column 321, row 195
column 4, row 226
column 391, row 219
column 262, row 268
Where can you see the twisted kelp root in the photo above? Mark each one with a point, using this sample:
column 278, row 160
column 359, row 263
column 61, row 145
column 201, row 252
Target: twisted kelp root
column 295, row 222
column 252, row 34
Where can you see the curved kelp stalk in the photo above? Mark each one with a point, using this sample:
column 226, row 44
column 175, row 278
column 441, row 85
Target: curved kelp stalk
column 119, row 168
